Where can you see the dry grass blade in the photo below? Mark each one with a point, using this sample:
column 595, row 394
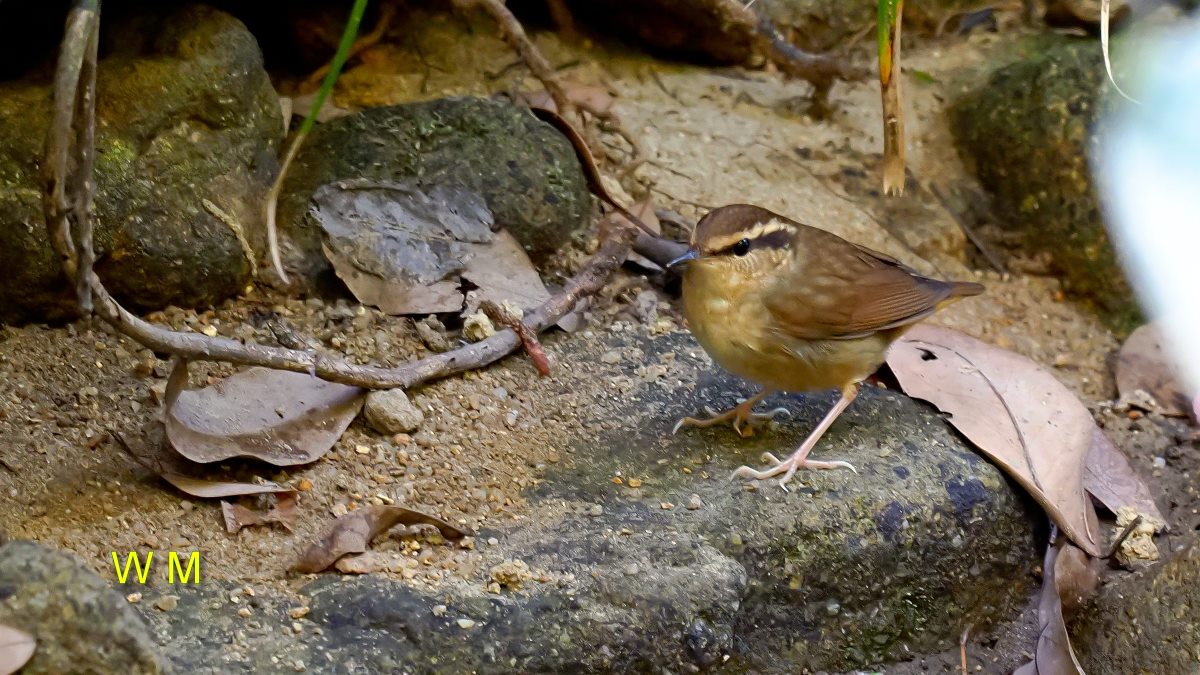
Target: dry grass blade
column 353, row 533
column 890, row 21
column 1014, row 411
column 16, row 648
column 1105, row 17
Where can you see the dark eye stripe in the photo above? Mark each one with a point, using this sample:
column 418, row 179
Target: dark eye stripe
column 779, row 239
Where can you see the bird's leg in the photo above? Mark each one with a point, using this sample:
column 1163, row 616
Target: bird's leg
column 799, row 458
column 741, row 416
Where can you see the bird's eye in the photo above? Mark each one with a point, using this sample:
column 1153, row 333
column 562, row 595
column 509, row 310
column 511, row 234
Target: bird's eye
column 742, row 247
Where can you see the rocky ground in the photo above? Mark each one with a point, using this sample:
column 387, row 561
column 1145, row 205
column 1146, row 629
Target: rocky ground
column 601, row 542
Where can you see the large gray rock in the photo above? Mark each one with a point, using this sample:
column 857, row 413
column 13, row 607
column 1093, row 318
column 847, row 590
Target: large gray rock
column 185, row 115
column 525, row 171
column 844, row 571
column 81, row 625
column 1028, row 131
column 1146, row 623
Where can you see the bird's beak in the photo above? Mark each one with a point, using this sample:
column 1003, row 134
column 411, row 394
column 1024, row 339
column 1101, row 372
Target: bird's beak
column 684, row 259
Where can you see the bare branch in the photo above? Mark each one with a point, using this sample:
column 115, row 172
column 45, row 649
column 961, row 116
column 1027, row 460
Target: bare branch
column 514, row 35
column 71, row 114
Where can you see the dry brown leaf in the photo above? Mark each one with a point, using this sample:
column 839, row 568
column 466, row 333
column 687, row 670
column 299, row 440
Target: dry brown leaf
column 1076, row 577
column 16, row 648
column 353, row 532
column 1053, row 655
column 401, row 247
column 278, row 417
column 1014, row 411
column 1142, row 364
column 1111, row 479
column 502, row 271
column 168, row 468
column 283, row 511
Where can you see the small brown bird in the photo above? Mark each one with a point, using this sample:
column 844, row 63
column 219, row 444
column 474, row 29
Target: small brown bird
column 795, row 308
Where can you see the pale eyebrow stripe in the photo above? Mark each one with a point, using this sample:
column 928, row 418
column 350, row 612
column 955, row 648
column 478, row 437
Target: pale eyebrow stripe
column 758, row 233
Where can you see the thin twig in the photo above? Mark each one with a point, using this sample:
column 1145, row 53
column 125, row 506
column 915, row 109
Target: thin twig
column 962, row 647
column 992, row 257
column 1116, row 545
column 514, row 35
column 197, row 346
column 528, row 338
column 819, row 69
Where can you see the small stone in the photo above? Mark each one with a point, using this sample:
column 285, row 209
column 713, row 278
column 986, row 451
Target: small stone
column 634, row 482
column 631, row 569
column 492, row 541
column 304, row 485
column 210, row 331
column 694, row 502
column 297, row 627
column 244, row 612
column 596, row 510
column 390, row 412
column 478, row 327
column 666, row 506
column 133, row 598
column 610, row 357
column 299, row 612
column 439, row 610
column 511, row 418
column 166, row 603
column 339, row 510
column 433, row 334
column 465, row 623
column 298, row 666
column 1160, row 462
column 362, row 449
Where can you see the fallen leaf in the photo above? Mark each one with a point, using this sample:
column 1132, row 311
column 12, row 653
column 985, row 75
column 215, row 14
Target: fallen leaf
column 409, row 251
column 1014, row 411
column 1076, row 577
column 276, row 416
column 1111, row 479
column 16, row 648
column 1053, row 655
column 283, row 511
column 168, row 468
column 353, row 532
column 1142, row 364
column 400, row 247
column 502, row 271
column 301, row 105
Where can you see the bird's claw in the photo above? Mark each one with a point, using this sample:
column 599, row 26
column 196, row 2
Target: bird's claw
column 788, row 468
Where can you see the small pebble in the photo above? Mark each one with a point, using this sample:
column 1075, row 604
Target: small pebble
column 439, row 610
column 694, row 502
column 299, row 612
column 596, row 510
column 362, row 449
column 1160, row 462
column 610, row 357
column 465, row 623
column 631, row 569
column 297, row 627
column 492, row 541
column 133, row 598
column 634, row 482
column 244, row 612
column 666, row 506
column 166, row 603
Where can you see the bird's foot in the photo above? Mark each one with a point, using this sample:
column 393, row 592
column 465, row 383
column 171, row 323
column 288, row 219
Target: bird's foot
column 788, row 467
column 740, row 417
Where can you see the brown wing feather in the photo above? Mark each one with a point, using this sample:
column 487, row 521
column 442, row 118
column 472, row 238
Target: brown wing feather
column 844, row 291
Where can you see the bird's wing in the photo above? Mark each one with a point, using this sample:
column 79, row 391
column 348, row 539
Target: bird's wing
column 847, row 291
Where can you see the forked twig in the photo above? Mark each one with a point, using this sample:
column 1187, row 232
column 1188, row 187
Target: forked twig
column 66, row 152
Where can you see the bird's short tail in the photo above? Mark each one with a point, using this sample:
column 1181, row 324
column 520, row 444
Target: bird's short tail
column 964, row 289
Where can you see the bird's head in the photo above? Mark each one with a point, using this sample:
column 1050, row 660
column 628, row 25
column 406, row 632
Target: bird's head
column 738, row 242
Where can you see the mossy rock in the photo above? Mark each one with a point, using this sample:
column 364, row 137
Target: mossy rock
column 187, row 125
column 1147, row 623
column 81, row 625
column 1029, row 131
column 525, row 170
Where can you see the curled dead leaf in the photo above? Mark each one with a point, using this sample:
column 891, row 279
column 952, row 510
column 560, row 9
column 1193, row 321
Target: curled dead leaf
column 1142, row 364
column 353, row 533
column 169, row 469
column 283, row 511
column 1053, row 655
column 16, row 648
column 1014, row 411
column 276, row 416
